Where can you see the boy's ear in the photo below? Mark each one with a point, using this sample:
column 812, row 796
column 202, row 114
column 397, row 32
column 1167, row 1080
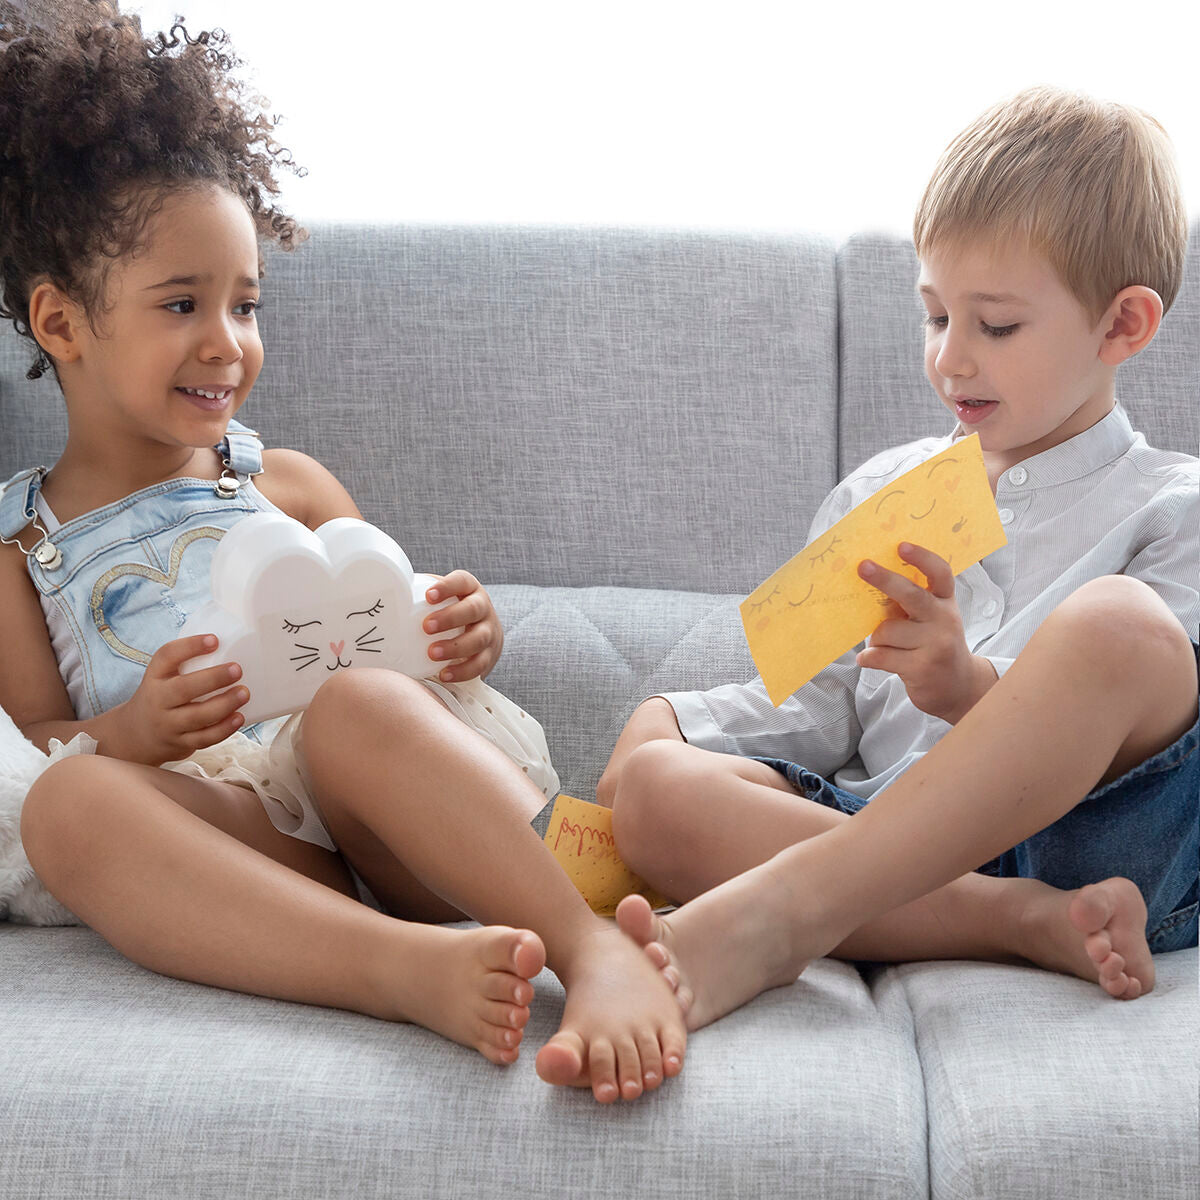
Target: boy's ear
column 1129, row 323
column 54, row 320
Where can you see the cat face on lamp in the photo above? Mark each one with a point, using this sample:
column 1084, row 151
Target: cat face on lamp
column 293, row 606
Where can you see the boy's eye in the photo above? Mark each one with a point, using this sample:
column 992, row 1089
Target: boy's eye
column 998, row 331
column 936, row 322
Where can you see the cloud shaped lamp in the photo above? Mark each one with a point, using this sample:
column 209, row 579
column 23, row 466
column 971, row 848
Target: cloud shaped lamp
column 293, row 606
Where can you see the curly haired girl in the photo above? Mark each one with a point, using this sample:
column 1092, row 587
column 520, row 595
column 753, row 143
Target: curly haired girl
column 136, row 181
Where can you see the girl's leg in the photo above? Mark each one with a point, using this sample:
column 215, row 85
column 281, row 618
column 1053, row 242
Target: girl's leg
column 189, row 878
column 1108, row 680
column 404, row 784
column 687, row 820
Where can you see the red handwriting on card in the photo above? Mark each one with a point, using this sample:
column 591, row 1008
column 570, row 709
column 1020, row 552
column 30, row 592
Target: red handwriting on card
column 590, row 841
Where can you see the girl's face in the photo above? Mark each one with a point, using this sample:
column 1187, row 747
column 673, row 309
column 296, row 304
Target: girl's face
column 175, row 350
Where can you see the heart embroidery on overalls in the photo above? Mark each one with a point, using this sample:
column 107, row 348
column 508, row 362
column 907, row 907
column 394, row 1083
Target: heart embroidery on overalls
column 146, row 572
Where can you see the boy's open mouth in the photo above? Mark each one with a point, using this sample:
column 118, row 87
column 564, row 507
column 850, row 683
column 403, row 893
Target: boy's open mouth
column 971, row 411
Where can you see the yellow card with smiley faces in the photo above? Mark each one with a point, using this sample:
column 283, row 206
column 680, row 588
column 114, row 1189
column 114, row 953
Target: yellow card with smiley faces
column 816, row 607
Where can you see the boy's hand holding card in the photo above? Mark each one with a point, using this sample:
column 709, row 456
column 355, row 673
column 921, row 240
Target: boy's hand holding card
column 816, row 607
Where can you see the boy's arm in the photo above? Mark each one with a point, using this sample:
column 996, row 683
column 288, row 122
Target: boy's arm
column 1170, row 563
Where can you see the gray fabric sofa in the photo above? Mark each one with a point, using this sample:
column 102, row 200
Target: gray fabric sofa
column 621, row 433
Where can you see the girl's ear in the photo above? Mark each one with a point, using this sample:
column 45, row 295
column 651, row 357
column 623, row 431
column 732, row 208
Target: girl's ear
column 1131, row 320
column 55, row 321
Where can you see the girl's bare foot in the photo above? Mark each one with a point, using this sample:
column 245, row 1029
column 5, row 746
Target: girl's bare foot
column 723, row 948
column 471, row 986
column 622, row 1033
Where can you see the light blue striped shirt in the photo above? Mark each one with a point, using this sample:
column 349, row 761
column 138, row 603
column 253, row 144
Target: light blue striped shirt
column 1102, row 503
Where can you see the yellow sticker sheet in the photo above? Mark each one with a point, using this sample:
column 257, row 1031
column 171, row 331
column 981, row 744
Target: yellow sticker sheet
column 580, row 836
column 816, row 607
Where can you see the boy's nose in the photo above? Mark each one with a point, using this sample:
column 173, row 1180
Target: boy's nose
column 952, row 359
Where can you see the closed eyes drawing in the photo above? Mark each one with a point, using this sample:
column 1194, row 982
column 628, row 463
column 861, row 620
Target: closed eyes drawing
column 369, row 641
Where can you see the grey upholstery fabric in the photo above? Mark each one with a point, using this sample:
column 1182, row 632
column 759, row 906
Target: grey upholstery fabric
column 1032, row 1092
column 126, row 1084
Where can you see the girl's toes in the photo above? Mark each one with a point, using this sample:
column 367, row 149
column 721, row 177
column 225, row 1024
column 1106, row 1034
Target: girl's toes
column 629, row 1069
column 499, row 985
column 650, row 1054
column 673, row 1048
column 602, row 1068
column 504, row 1016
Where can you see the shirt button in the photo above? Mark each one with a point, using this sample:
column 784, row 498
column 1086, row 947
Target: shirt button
column 1018, row 475
column 1006, row 516
column 989, row 609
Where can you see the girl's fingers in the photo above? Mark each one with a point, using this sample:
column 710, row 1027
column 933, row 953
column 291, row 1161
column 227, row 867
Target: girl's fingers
column 201, row 714
column 466, row 612
column 457, row 583
column 474, row 641
column 467, row 669
column 168, row 658
column 200, row 739
column 185, row 688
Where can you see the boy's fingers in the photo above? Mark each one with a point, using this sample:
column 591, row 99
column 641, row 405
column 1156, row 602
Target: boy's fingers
column 935, row 568
column 915, row 600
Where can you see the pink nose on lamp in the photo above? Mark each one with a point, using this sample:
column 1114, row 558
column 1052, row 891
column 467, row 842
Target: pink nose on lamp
column 337, row 647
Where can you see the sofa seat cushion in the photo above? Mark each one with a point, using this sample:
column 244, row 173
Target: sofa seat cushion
column 125, row 1083
column 1040, row 1085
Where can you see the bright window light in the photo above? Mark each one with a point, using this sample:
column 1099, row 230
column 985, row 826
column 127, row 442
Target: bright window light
column 754, row 116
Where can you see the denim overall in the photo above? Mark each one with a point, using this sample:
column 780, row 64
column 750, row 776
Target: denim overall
column 117, row 583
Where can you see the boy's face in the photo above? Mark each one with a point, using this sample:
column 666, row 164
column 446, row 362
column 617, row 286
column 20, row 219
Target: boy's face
column 1010, row 351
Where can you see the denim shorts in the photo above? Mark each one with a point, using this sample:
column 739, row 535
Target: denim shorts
column 1143, row 826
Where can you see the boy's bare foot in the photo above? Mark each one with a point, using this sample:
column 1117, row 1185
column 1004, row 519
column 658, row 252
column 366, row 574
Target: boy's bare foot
column 471, row 986
column 721, row 949
column 1097, row 933
column 622, row 1033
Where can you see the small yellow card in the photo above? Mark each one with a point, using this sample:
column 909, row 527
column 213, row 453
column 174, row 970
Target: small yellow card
column 816, row 607
column 580, row 837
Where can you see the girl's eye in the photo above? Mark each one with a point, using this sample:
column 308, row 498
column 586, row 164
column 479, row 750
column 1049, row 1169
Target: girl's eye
column 247, row 308
column 183, row 307
column 998, row 331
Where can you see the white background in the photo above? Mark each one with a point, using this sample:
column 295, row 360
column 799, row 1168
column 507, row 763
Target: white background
column 740, row 115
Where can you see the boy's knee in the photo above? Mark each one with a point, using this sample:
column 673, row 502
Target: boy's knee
column 1126, row 620
column 650, row 797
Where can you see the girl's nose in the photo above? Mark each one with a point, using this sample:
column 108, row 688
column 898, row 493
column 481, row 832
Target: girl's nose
column 221, row 343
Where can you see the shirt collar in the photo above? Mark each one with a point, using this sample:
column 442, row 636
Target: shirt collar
column 1086, row 452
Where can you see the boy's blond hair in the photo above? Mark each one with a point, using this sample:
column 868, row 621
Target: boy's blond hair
column 1088, row 183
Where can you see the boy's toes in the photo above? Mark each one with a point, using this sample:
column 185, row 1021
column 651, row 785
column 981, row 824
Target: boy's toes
column 561, row 1060
column 673, row 1048
column 636, row 919
column 519, row 951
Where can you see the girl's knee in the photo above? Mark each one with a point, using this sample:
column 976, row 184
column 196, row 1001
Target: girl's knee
column 61, row 807
column 353, row 700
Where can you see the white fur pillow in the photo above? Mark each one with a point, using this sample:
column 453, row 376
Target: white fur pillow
column 23, row 899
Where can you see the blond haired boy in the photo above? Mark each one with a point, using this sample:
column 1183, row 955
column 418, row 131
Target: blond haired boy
column 1019, row 750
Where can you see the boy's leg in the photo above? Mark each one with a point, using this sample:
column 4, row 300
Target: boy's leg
column 394, row 769
column 189, row 878
column 1108, row 680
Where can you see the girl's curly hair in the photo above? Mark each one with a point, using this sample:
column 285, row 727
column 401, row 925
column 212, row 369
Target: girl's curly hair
column 97, row 125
